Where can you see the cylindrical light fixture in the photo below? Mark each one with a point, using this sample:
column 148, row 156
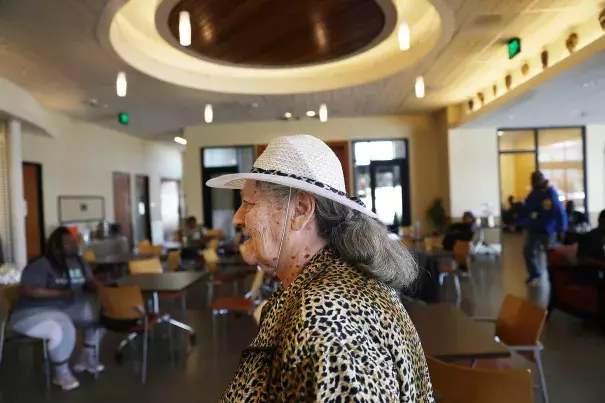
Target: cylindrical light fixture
column 184, row 28
column 323, row 113
column 403, row 35
column 121, row 84
column 180, row 140
column 208, row 113
column 419, row 87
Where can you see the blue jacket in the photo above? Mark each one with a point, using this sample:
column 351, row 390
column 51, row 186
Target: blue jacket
column 543, row 212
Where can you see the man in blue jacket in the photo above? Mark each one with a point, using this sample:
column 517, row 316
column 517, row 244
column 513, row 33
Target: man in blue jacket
column 543, row 217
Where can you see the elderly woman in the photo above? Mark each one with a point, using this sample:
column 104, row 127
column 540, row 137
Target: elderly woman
column 53, row 303
column 336, row 329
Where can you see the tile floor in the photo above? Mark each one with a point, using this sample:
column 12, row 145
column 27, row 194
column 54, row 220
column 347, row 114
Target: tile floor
column 574, row 357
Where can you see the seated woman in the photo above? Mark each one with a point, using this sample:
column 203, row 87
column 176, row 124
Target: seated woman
column 53, row 303
column 591, row 246
column 577, row 223
column 462, row 231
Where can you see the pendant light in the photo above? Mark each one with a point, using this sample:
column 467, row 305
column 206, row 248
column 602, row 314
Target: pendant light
column 184, row 28
column 323, row 113
column 121, row 84
column 208, row 113
column 419, row 87
column 403, row 35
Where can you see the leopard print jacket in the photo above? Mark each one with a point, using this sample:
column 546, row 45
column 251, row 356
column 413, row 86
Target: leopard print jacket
column 333, row 335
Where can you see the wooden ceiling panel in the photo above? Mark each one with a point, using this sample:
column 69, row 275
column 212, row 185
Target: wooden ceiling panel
column 274, row 33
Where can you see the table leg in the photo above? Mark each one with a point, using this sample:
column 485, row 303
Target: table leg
column 156, row 303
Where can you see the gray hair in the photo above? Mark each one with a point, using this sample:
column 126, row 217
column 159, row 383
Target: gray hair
column 356, row 238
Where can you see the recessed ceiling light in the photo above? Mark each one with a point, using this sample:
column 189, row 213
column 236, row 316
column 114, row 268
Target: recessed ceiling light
column 403, row 35
column 121, row 84
column 500, row 132
column 180, row 140
column 208, row 113
column 310, row 113
column 419, row 87
column 288, row 115
column 323, row 113
column 184, row 28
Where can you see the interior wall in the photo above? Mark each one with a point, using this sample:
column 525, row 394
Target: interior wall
column 80, row 161
column 473, row 168
column 427, row 141
column 595, row 170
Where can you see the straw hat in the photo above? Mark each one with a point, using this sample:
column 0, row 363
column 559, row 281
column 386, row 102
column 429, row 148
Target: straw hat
column 301, row 162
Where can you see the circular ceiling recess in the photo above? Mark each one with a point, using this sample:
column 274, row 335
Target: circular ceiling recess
column 278, row 33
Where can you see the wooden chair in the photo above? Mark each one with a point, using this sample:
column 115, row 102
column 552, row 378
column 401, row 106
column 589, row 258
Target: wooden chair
column 455, row 384
column 215, row 233
column 451, row 267
column 89, row 256
column 215, row 278
column 153, row 265
column 122, row 312
column 153, row 250
column 519, row 325
column 10, row 295
column 143, row 244
column 173, row 260
column 239, row 304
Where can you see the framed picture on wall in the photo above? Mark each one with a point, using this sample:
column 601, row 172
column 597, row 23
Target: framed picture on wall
column 74, row 209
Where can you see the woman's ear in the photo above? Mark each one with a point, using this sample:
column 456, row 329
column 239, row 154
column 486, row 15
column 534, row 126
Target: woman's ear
column 304, row 208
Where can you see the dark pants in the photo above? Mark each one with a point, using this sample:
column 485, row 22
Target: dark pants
column 534, row 244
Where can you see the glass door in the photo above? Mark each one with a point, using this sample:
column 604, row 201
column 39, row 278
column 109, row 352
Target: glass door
column 220, row 205
column 389, row 186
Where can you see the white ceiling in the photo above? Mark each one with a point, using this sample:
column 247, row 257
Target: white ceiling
column 50, row 48
column 576, row 97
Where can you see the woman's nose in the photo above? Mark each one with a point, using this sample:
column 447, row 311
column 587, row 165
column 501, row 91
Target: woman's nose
column 239, row 217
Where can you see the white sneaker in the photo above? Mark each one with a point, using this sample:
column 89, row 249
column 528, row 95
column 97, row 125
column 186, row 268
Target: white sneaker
column 65, row 379
column 88, row 363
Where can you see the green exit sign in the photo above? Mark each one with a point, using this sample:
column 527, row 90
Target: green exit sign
column 514, row 47
column 123, row 118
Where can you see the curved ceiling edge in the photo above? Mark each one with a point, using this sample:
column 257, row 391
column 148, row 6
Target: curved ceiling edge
column 21, row 105
column 148, row 52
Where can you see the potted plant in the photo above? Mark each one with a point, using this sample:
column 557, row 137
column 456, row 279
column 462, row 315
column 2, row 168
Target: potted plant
column 437, row 217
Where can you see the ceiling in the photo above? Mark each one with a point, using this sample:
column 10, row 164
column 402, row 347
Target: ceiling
column 573, row 98
column 51, row 49
column 305, row 32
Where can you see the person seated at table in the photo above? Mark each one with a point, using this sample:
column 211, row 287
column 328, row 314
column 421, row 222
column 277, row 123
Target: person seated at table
column 577, row 223
column 591, row 245
column 461, row 231
column 116, row 235
column 511, row 214
column 53, row 303
column 192, row 231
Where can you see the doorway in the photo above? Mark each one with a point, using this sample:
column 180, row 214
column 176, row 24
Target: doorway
column 389, row 189
column 143, row 216
column 220, row 205
column 122, row 203
column 170, row 202
column 35, row 238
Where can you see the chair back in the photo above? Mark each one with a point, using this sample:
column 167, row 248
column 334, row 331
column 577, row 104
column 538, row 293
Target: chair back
column 89, row 256
column 143, row 243
column 456, row 384
column 257, row 283
column 520, row 322
column 121, row 303
column 10, row 296
column 215, row 233
column 462, row 251
column 210, row 259
column 213, row 244
column 173, row 260
column 154, row 250
column 562, row 256
column 258, row 312
column 144, row 266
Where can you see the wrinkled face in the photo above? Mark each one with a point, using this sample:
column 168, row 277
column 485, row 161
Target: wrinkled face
column 262, row 221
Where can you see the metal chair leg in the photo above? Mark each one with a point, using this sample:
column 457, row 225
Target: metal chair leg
column 458, row 289
column 543, row 387
column 441, row 277
column 47, row 368
column 210, row 293
column 2, row 330
column 144, row 361
column 170, row 347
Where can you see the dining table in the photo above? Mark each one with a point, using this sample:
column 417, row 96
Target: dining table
column 448, row 334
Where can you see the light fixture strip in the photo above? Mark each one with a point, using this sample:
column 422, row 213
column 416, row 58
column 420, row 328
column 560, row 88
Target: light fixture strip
column 403, row 35
column 121, row 84
column 184, row 28
column 208, row 113
column 419, row 87
column 323, row 113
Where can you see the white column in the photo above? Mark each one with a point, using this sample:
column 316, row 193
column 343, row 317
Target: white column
column 17, row 202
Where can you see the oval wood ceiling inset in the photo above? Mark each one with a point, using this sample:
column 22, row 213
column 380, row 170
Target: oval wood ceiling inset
column 279, row 33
